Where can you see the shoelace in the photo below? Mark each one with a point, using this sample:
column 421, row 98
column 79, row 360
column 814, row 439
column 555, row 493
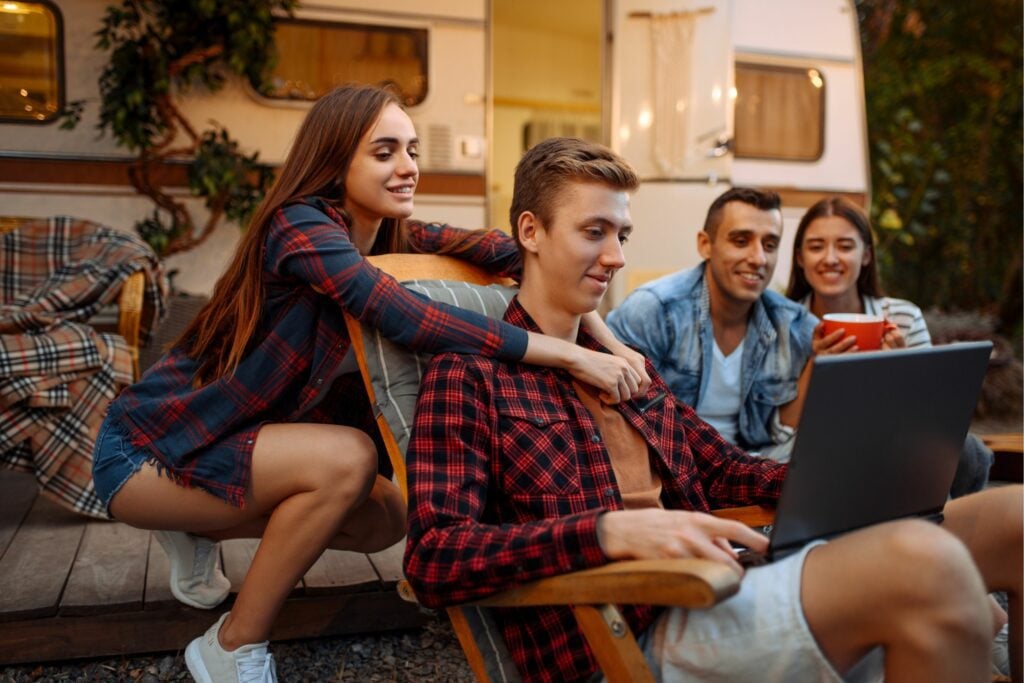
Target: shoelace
column 256, row 667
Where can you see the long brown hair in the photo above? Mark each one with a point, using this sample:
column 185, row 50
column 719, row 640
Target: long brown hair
column 316, row 166
column 867, row 282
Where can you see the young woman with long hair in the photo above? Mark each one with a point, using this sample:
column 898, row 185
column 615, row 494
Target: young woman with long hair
column 256, row 424
column 834, row 272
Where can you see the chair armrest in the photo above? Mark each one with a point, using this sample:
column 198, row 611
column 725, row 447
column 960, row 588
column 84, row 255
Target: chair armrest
column 682, row 582
column 679, row 582
column 1011, row 442
column 1008, row 449
column 751, row 515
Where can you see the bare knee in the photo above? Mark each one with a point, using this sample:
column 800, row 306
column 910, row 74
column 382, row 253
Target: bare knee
column 938, row 587
column 344, row 465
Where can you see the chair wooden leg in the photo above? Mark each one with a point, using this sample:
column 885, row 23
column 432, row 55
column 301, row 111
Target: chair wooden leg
column 465, row 635
column 613, row 644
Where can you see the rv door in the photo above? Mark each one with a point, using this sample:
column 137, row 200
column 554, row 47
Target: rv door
column 672, row 92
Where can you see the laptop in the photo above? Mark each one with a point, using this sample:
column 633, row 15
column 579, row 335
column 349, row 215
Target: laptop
column 879, row 439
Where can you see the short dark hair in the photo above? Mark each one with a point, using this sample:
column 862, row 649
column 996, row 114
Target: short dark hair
column 867, row 282
column 765, row 200
column 549, row 165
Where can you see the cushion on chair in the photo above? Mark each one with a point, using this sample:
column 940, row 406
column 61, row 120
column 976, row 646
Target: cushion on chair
column 396, row 372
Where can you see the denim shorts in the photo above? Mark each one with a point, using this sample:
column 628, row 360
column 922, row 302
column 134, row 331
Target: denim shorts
column 114, row 460
column 759, row 634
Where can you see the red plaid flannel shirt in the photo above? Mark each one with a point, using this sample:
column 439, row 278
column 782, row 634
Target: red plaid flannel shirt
column 508, row 476
column 205, row 436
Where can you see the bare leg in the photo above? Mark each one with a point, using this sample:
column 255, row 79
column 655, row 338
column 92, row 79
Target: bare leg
column 991, row 525
column 908, row 586
column 307, row 479
column 375, row 525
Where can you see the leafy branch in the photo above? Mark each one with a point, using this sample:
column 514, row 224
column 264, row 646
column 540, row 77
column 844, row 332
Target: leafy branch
column 159, row 50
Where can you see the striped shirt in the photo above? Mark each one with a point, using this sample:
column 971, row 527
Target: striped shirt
column 904, row 315
column 900, row 312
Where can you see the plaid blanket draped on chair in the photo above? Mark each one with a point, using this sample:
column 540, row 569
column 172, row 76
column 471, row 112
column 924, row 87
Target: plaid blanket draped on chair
column 57, row 373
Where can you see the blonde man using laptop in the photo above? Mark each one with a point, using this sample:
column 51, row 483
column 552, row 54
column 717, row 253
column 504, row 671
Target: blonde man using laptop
column 517, row 473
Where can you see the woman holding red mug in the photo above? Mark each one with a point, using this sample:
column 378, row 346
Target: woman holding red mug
column 834, row 273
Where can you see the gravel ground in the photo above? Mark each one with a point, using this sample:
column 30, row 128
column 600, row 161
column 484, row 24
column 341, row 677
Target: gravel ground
column 431, row 654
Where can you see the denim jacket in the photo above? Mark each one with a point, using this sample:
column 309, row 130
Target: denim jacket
column 669, row 321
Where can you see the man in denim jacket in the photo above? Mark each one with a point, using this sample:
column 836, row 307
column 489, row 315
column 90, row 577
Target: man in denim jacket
column 718, row 326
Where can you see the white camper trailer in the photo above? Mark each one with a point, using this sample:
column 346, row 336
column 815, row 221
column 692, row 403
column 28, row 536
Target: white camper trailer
column 763, row 93
column 697, row 94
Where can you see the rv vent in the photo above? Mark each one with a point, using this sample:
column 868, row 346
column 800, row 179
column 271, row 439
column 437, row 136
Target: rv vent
column 439, row 146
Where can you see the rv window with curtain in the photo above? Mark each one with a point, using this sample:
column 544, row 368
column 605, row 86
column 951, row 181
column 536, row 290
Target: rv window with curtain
column 780, row 112
column 314, row 57
column 31, row 69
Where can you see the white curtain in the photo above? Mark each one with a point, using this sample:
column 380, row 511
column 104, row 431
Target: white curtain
column 671, row 66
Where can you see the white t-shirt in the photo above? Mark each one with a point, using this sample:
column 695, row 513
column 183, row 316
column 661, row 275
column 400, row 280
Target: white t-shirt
column 720, row 404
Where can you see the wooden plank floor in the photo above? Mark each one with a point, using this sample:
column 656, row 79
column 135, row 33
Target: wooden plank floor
column 74, row 587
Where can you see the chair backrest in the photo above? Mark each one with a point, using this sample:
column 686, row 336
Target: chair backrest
column 392, row 376
column 392, row 373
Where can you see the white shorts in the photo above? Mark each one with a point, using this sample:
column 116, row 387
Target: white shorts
column 758, row 635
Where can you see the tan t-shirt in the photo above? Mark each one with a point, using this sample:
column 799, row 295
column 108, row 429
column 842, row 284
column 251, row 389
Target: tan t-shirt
column 639, row 483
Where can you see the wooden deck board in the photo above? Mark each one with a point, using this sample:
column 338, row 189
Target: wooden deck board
column 170, row 630
column 388, row 563
column 340, row 571
column 109, row 573
column 237, row 555
column 157, row 594
column 17, row 492
column 35, row 566
column 73, row 587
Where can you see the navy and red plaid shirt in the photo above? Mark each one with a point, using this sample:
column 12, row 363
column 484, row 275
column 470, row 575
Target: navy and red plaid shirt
column 508, row 475
column 205, row 436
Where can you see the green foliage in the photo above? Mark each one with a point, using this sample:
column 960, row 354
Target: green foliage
column 159, row 50
column 944, row 99
column 220, row 172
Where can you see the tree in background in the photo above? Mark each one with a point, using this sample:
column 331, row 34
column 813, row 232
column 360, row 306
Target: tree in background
column 159, row 49
column 944, row 104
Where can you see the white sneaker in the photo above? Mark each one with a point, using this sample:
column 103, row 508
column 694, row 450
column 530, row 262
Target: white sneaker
column 208, row 662
column 1001, row 652
column 196, row 577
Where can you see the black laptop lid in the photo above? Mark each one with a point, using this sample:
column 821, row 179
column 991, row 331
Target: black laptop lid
column 879, row 438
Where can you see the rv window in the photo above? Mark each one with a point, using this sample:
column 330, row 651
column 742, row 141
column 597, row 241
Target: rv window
column 31, row 86
column 780, row 112
column 315, row 57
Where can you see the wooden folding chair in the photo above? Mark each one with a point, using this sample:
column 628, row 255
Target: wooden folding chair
column 392, row 377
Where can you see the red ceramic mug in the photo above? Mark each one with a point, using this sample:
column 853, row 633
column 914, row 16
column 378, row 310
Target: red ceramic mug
column 868, row 329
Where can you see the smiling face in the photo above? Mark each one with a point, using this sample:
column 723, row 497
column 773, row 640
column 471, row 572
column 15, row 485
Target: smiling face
column 742, row 254
column 832, row 254
column 570, row 262
column 383, row 174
